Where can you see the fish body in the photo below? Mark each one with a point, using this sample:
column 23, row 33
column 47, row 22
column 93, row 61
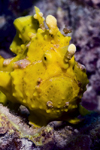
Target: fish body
column 43, row 75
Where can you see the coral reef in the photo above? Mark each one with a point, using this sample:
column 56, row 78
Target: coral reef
column 15, row 134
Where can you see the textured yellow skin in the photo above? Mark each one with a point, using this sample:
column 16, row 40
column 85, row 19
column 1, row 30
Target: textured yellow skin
column 43, row 76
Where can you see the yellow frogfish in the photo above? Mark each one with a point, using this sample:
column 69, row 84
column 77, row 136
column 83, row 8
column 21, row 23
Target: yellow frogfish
column 43, row 76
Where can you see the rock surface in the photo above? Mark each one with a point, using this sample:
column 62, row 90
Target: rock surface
column 17, row 135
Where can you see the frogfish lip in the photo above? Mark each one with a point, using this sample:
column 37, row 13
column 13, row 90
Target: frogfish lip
column 58, row 92
column 56, row 100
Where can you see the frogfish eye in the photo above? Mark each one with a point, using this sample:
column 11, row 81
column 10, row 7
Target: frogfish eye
column 45, row 58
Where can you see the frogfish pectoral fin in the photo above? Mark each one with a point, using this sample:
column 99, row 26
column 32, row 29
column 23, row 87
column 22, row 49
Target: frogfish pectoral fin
column 5, row 81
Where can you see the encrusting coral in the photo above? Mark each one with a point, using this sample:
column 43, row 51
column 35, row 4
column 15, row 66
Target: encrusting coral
column 43, row 75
